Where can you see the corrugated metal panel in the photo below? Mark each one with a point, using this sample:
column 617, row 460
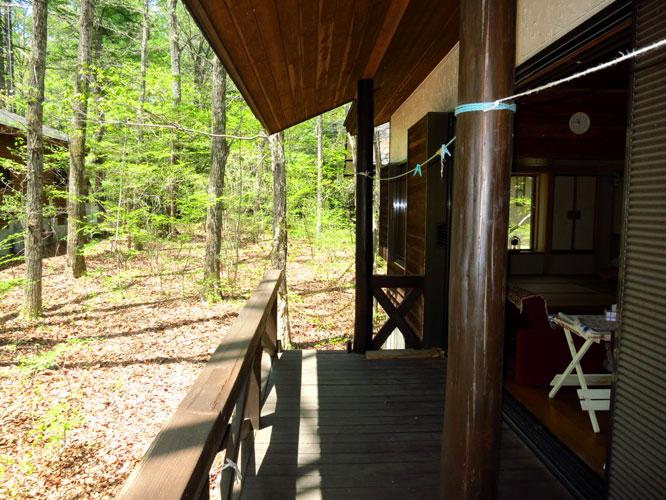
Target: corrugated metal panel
column 638, row 442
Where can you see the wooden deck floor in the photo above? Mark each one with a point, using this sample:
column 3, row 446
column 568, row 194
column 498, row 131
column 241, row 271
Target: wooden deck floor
column 336, row 426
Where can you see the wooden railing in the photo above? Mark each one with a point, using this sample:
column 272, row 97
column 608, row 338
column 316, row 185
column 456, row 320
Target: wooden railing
column 397, row 314
column 222, row 407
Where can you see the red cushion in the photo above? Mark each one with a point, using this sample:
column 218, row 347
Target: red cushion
column 534, row 313
column 542, row 353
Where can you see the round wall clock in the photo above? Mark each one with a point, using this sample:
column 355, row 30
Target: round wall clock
column 579, row 123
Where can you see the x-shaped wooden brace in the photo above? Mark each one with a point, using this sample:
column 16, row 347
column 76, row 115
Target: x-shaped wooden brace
column 396, row 317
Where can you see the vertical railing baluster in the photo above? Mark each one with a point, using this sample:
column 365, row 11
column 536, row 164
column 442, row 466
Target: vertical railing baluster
column 270, row 337
column 253, row 403
column 232, row 444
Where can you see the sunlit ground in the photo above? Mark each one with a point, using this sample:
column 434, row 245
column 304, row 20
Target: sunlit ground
column 85, row 390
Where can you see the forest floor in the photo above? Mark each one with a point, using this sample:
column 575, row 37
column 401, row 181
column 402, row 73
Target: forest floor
column 85, row 390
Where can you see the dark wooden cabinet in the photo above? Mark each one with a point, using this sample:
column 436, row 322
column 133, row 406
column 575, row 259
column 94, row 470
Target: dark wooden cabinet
column 428, row 224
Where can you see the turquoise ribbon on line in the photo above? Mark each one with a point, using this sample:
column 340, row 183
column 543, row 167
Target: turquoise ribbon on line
column 444, row 151
column 484, row 106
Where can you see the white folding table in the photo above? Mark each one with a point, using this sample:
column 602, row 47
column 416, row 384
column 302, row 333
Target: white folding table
column 594, row 330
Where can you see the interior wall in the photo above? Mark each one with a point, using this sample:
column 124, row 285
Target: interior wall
column 538, row 24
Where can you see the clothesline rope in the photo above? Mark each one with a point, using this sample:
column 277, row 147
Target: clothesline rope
column 624, row 57
column 417, row 168
column 501, row 104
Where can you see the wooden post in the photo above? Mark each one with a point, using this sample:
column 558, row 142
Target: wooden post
column 470, row 452
column 364, row 252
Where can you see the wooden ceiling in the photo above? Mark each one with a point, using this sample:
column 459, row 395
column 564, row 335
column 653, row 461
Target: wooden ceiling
column 295, row 59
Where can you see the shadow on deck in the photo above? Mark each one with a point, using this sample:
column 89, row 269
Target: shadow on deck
column 337, row 426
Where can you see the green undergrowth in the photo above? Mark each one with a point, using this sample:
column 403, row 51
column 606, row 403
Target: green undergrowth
column 9, row 284
column 51, row 359
column 340, row 340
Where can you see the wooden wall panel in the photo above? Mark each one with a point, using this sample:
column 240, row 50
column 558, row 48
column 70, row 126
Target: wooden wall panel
column 427, row 219
column 416, row 209
column 542, row 121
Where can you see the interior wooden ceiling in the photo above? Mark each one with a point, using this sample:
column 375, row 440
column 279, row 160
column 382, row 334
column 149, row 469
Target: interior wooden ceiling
column 295, row 59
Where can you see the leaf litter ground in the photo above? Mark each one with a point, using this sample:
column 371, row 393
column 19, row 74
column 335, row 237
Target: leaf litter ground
column 86, row 389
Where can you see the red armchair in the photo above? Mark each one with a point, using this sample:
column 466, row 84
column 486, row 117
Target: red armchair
column 541, row 352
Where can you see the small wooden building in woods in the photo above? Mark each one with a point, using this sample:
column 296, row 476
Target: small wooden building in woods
column 12, row 136
column 560, row 207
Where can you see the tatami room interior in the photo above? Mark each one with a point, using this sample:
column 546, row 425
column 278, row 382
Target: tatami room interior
column 564, row 243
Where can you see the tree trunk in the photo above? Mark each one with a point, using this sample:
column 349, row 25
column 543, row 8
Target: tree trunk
column 3, row 54
column 145, row 34
column 375, row 206
column 258, row 180
column 218, row 154
column 174, row 50
column 351, row 141
column 32, row 305
column 258, row 192
column 8, row 57
column 279, row 253
column 77, row 145
column 320, row 171
column 199, row 63
column 96, row 90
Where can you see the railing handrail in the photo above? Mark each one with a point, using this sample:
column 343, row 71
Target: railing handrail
column 179, row 459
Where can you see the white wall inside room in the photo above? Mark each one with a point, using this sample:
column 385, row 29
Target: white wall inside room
column 538, row 24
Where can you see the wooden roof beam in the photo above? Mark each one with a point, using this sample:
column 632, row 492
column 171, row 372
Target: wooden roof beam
column 390, row 25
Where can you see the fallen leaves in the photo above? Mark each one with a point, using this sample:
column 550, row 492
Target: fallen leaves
column 113, row 357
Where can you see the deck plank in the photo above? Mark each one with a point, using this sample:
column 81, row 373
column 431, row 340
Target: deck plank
column 337, row 426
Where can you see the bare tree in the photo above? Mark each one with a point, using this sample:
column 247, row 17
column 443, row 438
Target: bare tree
column 259, row 175
column 200, row 52
column 145, row 34
column 375, row 206
column 6, row 56
column 174, row 51
column 258, row 226
column 279, row 253
column 218, row 152
column 77, row 144
column 351, row 142
column 320, row 171
column 3, row 53
column 32, row 305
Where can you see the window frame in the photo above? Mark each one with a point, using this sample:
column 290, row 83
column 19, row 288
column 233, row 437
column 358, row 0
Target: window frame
column 397, row 216
column 534, row 214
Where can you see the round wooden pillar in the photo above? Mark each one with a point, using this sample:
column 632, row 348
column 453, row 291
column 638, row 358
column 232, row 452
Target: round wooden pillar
column 471, row 439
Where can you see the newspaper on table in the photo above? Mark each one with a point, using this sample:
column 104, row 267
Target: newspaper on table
column 594, row 326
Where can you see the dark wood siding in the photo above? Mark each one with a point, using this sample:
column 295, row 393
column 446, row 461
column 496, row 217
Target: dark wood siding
column 428, row 225
column 383, row 214
column 638, row 447
column 441, row 129
column 416, row 207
